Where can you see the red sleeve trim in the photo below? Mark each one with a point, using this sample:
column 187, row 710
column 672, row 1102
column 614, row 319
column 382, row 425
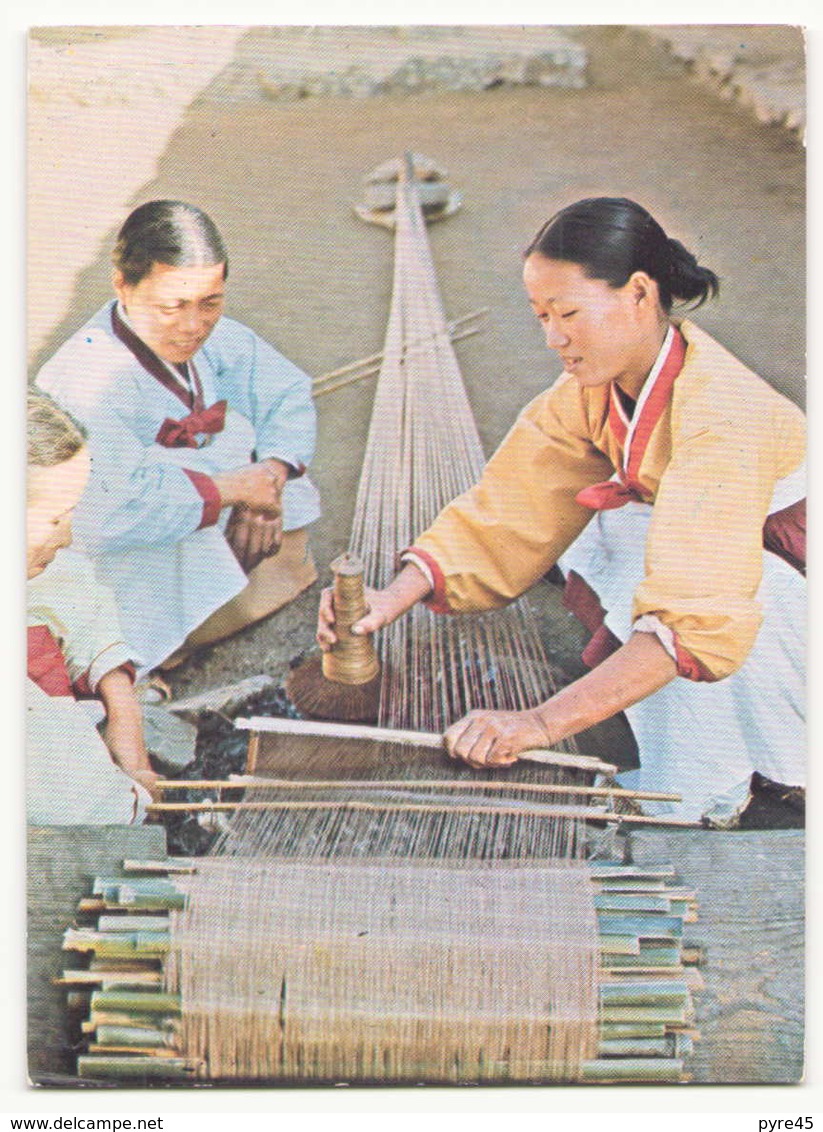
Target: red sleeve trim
column 689, row 666
column 208, row 491
column 437, row 602
column 46, row 663
column 784, row 534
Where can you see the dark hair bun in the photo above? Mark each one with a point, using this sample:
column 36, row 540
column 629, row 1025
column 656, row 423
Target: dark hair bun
column 612, row 237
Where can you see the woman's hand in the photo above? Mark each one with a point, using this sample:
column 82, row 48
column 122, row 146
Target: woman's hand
column 495, row 738
column 256, row 486
column 147, row 779
column 383, row 609
column 385, row 606
column 253, row 536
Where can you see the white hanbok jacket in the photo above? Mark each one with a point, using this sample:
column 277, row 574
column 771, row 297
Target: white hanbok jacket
column 150, row 518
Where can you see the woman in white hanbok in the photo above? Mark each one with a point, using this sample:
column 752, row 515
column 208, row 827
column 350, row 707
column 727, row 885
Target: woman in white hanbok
column 200, row 433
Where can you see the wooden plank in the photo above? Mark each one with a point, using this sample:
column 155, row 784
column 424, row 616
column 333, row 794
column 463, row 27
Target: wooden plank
column 429, row 740
column 751, row 931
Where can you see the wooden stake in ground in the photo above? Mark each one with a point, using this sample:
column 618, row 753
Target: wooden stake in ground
column 345, row 682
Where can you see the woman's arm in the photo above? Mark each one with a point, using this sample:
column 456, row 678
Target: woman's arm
column 123, row 732
column 495, row 738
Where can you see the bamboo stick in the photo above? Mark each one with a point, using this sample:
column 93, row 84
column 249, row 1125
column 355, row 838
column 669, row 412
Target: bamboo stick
column 136, row 1067
column 643, row 993
column 122, row 966
column 143, row 1002
column 133, row 923
column 116, row 948
column 621, row 1069
column 621, row 885
column 602, row 870
column 109, row 979
column 123, row 888
column 116, row 1018
column 631, row 902
column 253, row 752
column 651, row 957
column 92, row 904
column 580, row 813
column 668, row 1014
column 651, row 926
column 671, row 1045
column 135, row 1036
column 376, row 358
column 613, row 1030
column 166, row 865
column 571, row 812
column 107, row 1048
column 372, row 371
column 619, row 944
column 243, row 781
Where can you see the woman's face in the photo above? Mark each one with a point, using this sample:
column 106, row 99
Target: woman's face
column 601, row 333
column 174, row 309
column 53, row 493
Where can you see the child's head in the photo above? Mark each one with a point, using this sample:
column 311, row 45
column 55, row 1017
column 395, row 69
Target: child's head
column 58, row 468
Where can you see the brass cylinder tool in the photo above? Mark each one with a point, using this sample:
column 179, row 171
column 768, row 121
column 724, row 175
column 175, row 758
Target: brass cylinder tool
column 353, row 659
column 344, row 683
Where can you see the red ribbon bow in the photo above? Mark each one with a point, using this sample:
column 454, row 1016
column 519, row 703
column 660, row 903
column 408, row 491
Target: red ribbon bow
column 183, row 433
column 608, row 495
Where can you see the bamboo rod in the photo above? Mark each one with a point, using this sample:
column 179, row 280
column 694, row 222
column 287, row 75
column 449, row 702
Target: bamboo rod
column 242, row 781
column 109, row 979
column 572, row 812
column 136, row 1067
column 331, row 387
column 605, row 871
column 165, row 865
column 668, row 1014
column 648, row 992
column 612, row 1030
column 651, row 926
column 126, row 922
column 107, row 1048
column 581, row 813
column 621, row 1069
column 138, row 1002
column 454, row 328
column 116, row 1018
column 253, row 752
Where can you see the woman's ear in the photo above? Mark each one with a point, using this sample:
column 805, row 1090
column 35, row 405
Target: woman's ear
column 644, row 291
column 118, row 282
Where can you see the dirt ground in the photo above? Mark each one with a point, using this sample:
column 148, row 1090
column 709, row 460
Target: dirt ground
column 281, row 178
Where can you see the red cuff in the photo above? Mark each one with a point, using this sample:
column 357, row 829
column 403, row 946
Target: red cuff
column 208, row 491
column 689, row 666
column 437, row 602
column 46, row 663
column 296, row 468
column 784, row 534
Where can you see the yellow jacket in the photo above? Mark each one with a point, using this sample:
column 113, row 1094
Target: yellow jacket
column 716, row 448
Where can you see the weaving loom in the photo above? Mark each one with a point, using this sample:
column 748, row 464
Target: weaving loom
column 375, row 911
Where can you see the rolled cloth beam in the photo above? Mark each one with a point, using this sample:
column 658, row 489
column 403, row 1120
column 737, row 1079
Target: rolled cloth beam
column 387, row 971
